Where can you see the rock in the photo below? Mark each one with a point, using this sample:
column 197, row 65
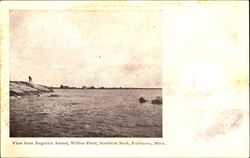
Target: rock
column 158, row 100
column 142, row 100
column 54, row 95
column 21, row 88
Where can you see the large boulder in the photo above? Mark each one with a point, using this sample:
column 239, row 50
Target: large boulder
column 142, row 100
column 158, row 100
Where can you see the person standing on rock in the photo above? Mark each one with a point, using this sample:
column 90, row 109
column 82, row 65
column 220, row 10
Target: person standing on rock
column 30, row 79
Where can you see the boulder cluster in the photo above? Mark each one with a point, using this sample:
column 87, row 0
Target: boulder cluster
column 157, row 100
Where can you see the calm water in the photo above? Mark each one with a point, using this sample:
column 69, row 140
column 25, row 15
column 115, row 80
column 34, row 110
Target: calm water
column 86, row 113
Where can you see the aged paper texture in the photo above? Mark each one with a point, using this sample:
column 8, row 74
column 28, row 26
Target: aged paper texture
column 197, row 52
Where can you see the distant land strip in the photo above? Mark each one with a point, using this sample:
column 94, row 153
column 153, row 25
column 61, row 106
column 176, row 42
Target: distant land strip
column 107, row 88
column 22, row 88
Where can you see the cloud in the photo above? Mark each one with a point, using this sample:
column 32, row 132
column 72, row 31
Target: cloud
column 112, row 48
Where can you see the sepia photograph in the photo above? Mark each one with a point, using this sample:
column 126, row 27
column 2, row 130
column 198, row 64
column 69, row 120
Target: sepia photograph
column 124, row 78
column 87, row 73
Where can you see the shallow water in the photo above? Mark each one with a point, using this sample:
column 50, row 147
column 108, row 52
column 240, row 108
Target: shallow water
column 86, row 113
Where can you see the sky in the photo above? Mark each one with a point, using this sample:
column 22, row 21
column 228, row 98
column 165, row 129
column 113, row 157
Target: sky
column 111, row 48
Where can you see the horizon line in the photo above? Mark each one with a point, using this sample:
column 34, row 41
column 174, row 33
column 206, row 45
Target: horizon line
column 91, row 87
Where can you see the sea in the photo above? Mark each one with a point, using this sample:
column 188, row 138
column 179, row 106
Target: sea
column 87, row 113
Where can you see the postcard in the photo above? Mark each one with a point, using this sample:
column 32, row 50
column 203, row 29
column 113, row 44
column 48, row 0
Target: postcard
column 124, row 79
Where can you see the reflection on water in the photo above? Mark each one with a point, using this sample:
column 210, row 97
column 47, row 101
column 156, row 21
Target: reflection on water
column 86, row 113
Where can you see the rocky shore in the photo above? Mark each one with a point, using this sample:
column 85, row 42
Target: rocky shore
column 21, row 88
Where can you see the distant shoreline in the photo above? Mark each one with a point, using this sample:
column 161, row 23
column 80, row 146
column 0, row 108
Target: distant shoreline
column 106, row 88
column 20, row 88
